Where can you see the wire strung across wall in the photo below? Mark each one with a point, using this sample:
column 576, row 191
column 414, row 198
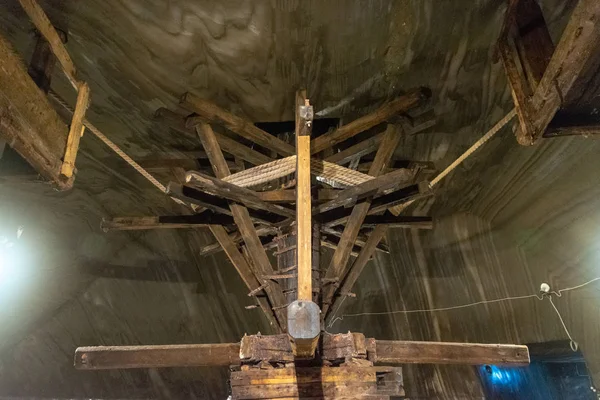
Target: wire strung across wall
column 544, row 294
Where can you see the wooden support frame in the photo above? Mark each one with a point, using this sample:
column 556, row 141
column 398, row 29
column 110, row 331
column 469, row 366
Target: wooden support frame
column 544, row 79
column 75, row 131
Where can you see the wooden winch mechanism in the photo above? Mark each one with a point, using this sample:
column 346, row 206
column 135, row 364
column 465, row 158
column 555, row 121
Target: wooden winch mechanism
column 298, row 197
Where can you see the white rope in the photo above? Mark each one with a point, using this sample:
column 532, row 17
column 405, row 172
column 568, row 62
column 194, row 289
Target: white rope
column 488, row 135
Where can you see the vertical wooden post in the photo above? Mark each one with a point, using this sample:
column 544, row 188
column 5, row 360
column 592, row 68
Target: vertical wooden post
column 303, row 314
column 303, row 200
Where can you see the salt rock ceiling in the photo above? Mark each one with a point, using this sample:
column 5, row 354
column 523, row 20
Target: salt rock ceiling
column 506, row 220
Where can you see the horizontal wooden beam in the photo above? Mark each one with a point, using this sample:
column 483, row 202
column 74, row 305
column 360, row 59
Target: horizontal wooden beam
column 28, row 122
column 215, row 203
column 185, row 355
column 358, row 150
column 374, row 187
column 379, row 204
column 390, row 220
column 201, row 220
column 411, row 352
column 211, row 113
column 238, row 194
column 177, row 122
column 401, row 104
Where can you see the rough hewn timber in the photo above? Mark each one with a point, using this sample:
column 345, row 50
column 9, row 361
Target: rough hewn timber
column 28, row 123
column 185, row 355
column 403, row 103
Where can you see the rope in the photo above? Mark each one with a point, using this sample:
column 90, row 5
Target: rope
column 111, row 145
column 489, row 134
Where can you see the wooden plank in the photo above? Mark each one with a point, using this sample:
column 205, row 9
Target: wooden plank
column 260, row 261
column 278, row 196
column 363, row 148
column 585, row 131
column 358, row 265
column 303, row 314
column 401, row 104
column 391, row 181
column 410, row 352
column 75, row 131
column 218, row 204
column 303, row 201
column 210, row 112
column 177, row 122
column 218, row 187
column 28, row 122
column 337, row 266
column 380, row 204
column 245, row 271
column 392, row 221
column 45, row 27
column 183, row 355
column 202, row 220
column 263, row 173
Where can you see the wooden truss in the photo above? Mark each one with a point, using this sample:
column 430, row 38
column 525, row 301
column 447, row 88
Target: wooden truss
column 554, row 88
column 294, row 199
column 28, row 123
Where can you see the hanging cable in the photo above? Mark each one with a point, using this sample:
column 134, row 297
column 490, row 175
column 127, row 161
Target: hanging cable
column 574, row 345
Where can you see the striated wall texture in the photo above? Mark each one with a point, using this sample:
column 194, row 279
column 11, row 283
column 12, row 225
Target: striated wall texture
column 509, row 218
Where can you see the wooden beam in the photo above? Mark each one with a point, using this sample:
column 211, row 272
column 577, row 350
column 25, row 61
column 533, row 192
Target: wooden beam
column 337, row 266
column 278, row 196
column 75, row 131
column 245, row 271
column 374, row 187
column 28, row 122
column 303, row 200
column 401, row 104
column 380, row 204
column 263, row 173
column 361, row 240
column 177, row 122
column 247, row 197
column 209, row 112
column 410, row 352
column 392, row 221
column 303, row 314
column 183, row 355
column 203, row 220
column 44, row 26
column 544, row 79
column 260, row 261
column 217, row 204
column 358, row 150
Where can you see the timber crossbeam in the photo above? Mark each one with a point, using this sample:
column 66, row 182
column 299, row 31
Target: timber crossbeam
column 551, row 85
